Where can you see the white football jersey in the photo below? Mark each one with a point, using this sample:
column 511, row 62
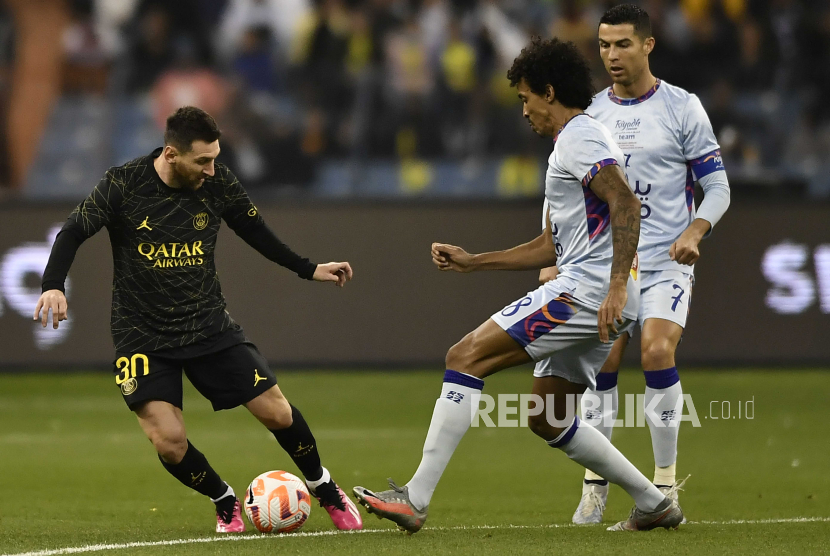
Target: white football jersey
column 579, row 220
column 668, row 144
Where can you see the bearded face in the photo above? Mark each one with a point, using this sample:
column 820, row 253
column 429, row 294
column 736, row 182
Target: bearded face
column 188, row 177
column 191, row 169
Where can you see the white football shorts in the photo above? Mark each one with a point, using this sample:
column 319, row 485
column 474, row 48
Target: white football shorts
column 665, row 294
column 559, row 333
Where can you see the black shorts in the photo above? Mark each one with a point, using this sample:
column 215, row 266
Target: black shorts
column 228, row 378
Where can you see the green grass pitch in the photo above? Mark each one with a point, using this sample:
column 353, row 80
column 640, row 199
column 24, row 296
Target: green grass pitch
column 75, row 469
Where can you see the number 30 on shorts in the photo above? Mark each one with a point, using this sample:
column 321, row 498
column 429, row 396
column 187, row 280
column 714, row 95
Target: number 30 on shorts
column 128, row 367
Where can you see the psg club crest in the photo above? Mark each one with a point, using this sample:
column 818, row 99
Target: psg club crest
column 200, row 221
column 129, row 386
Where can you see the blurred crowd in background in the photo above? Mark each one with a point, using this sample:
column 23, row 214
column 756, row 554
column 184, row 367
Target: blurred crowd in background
column 317, row 92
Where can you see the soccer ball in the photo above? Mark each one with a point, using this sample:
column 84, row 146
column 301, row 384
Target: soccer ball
column 277, row 502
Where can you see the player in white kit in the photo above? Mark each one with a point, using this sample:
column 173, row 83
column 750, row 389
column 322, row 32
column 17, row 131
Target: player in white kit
column 668, row 144
column 592, row 230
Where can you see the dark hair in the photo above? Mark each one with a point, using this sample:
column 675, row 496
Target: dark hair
column 629, row 13
column 190, row 124
column 558, row 64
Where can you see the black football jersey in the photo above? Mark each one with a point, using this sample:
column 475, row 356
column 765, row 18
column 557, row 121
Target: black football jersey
column 166, row 294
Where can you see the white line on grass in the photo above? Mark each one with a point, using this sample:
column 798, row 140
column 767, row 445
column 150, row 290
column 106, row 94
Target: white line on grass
column 757, row 521
column 142, row 544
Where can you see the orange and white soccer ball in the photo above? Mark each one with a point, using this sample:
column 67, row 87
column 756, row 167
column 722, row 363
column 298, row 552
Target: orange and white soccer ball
column 277, row 502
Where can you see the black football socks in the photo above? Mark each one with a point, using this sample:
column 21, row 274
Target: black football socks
column 298, row 441
column 195, row 472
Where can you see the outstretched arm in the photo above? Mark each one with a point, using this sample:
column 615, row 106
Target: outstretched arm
column 609, row 185
column 259, row 236
column 532, row 255
column 243, row 218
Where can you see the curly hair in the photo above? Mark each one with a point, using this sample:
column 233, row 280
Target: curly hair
column 558, row 64
column 629, row 13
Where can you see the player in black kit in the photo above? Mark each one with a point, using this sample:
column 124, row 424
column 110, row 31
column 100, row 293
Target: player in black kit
column 163, row 214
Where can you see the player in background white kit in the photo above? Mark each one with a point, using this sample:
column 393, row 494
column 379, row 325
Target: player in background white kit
column 592, row 232
column 668, row 144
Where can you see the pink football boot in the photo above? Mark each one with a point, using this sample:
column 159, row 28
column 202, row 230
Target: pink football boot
column 230, row 522
column 342, row 511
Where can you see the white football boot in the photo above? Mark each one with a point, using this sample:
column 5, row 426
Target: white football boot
column 591, row 505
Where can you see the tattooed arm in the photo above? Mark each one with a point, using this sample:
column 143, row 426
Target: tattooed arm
column 609, row 185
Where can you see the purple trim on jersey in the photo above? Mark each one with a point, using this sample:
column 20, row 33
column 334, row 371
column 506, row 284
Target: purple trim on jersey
column 706, row 164
column 631, row 101
column 596, row 168
column 597, row 212
column 540, row 322
column 690, row 187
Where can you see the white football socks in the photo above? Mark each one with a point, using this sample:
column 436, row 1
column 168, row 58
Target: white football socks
column 604, row 412
column 451, row 418
column 589, row 448
column 664, row 405
column 601, row 417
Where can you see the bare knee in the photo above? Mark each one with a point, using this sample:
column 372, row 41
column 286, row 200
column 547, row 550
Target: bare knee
column 170, row 443
column 484, row 351
column 280, row 418
column 658, row 354
column 457, row 356
column 163, row 425
column 465, row 355
column 539, row 425
column 272, row 410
